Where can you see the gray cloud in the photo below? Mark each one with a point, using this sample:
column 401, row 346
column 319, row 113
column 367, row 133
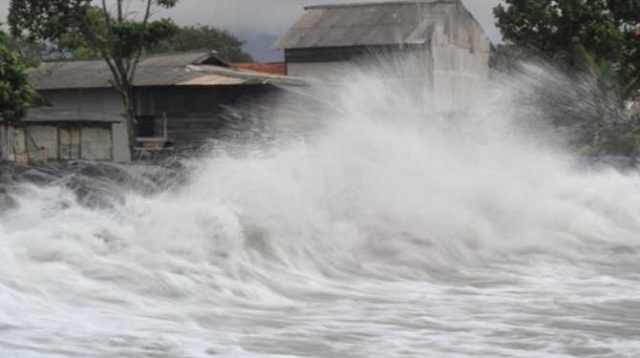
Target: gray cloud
column 272, row 17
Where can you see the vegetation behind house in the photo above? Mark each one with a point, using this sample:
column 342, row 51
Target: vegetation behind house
column 592, row 39
column 15, row 93
column 199, row 37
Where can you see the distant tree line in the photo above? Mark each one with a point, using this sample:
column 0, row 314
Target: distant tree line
column 204, row 37
column 184, row 38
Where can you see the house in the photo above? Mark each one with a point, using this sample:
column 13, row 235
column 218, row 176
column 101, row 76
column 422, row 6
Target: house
column 441, row 36
column 181, row 100
column 54, row 134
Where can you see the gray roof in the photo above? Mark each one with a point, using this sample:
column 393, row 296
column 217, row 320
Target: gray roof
column 367, row 24
column 158, row 70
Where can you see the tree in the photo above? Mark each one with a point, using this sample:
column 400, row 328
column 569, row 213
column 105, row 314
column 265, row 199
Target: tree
column 598, row 44
column 608, row 31
column 106, row 31
column 189, row 38
column 15, row 93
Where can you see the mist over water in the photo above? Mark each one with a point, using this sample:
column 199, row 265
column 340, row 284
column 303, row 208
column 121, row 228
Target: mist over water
column 386, row 230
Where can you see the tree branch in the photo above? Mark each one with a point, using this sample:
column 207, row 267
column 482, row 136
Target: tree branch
column 147, row 14
column 145, row 21
column 120, row 16
column 106, row 14
column 114, row 72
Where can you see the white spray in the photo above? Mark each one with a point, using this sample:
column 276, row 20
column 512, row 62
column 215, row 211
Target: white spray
column 389, row 231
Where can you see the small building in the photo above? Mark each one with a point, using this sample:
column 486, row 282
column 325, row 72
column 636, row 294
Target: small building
column 181, row 99
column 48, row 133
column 442, row 36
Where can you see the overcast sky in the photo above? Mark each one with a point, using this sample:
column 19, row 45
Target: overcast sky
column 249, row 18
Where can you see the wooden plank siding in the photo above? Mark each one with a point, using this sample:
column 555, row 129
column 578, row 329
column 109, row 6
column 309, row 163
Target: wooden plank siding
column 196, row 114
column 44, row 141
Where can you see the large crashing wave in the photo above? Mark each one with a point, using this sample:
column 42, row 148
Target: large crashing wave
column 388, row 228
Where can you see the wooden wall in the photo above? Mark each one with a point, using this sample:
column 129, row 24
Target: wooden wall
column 196, row 114
column 62, row 141
column 100, row 100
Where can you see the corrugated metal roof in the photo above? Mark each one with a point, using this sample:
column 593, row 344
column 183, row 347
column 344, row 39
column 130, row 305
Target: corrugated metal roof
column 273, row 68
column 152, row 70
column 213, row 80
column 366, row 24
column 215, row 73
column 157, row 70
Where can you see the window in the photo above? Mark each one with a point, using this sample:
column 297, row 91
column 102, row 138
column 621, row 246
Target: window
column 146, row 126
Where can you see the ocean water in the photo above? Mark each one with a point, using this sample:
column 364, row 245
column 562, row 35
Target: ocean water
column 385, row 231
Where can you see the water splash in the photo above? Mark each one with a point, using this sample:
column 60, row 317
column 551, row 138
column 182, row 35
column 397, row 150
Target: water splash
column 387, row 230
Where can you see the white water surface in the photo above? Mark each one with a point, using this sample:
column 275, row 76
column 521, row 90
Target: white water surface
column 389, row 231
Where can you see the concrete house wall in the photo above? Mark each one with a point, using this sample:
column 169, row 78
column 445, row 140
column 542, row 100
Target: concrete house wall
column 336, row 63
column 460, row 51
column 439, row 40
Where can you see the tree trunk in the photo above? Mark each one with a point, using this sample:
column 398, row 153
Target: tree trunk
column 130, row 115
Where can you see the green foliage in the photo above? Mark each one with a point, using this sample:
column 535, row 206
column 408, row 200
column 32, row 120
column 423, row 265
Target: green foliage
column 190, row 38
column 506, row 57
column 599, row 41
column 131, row 36
column 89, row 31
column 612, row 141
column 15, row 93
column 46, row 19
column 30, row 52
column 608, row 30
column 120, row 40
